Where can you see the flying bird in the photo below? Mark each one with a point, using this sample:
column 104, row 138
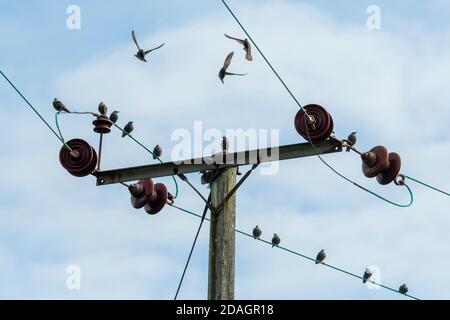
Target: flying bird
column 141, row 52
column 367, row 275
column 351, row 140
column 246, row 44
column 114, row 116
column 59, row 106
column 157, row 152
column 275, row 240
column 223, row 72
column 103, row 109
column 403, row 289
column 257, row 232
column 321, row 256
column 128, row 129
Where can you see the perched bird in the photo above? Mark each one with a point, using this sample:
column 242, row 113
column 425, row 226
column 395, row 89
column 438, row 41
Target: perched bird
column 128, row 129
column 223, row 72
column 246, row 44
column 157, row 152
column 114, row 116
column 403, row 289
column 321, row 256
column 257, row 232
column 103, row 109
column 141, row 52
column 351, row 140
column 59, row 106
column 367, row 275
column 275, row 240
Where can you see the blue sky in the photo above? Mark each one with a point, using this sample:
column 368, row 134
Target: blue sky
column 389, row 85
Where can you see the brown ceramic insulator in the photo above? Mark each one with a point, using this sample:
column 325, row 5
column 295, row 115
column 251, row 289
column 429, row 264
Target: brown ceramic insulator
column 320, row 129
column 81, row 160
column 375, row 161
column 102, row 125
column 158, row 202
column 140, row 199
column 389, row 175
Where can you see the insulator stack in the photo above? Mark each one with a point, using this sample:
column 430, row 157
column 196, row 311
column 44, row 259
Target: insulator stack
column 102, row 125
column 151, row 197
column 315, row 125
column 80, row 160
column 379, row 163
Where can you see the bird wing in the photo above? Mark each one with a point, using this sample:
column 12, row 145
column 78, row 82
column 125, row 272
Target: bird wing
column 236, row 39
column 249, row 56
column 227, row 62
column 148, row 51
column 133, row 35
column 236, row 74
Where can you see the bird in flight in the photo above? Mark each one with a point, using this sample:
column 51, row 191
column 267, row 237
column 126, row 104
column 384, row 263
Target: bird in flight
column 223, row 72
column 141, row 52
column 59, row 106
column 247, row 46
column 128, row 129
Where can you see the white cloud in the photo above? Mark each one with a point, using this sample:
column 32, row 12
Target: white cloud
column 380, row 84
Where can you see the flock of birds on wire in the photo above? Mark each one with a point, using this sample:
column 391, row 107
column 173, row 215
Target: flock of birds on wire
column 157, row 151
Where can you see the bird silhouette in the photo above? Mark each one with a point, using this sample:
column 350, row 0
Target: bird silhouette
column 223, row 72
column 141, row 52
column 321, row 256
column 157, row 152
column 128, row 129
column 59, row 106
column 103, row 109
column 367, row 275
column 275, row 240
column 403, row 289
column 114, row 116
column 351, row 140
column 246, row 44
column 257, row 232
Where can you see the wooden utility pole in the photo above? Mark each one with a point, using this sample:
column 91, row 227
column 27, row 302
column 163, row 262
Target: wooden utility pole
column 222, row 238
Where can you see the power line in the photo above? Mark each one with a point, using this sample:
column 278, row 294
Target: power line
column 307, row 130
column 34, row 109
column 193, row 246
column 427, row 185
column 299, row 254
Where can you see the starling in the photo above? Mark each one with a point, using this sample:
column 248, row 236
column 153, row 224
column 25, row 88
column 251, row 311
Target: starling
column 257, row 232
column 114, row 116
column 141, row 53
column 321, row 256
column 103, row 109
column 157, row 152
column 367, row 275
column 59, row 106
column 247, row 46
column 403, row 289
column 223, row 72
column 351, row 140
column 128, row 129
column 275, row 240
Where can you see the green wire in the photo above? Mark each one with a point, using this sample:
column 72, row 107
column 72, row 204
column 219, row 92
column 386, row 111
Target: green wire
column 34, row 109
column 299, row 254
column 428, row 186
column 153, row 155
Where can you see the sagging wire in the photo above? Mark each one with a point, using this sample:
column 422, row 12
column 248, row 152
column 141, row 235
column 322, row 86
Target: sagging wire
column 299, row 254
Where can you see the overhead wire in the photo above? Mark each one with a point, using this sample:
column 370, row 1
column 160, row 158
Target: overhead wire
column 299, row 254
